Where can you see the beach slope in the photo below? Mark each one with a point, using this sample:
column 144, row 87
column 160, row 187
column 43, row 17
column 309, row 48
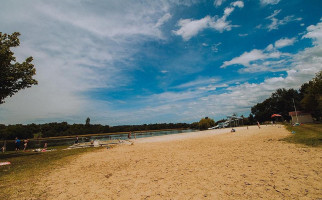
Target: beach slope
column 216, row 164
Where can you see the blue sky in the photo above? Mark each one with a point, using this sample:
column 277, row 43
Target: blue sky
column 136, row 62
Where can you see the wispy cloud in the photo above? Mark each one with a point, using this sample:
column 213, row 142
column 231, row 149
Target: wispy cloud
column 269, row 59
column 260, row 60
column 268, row 2
column 78, row 47
column 284, row 42
column 242, row 34
column 278, row 22
column 218, row 3
column 198, row 83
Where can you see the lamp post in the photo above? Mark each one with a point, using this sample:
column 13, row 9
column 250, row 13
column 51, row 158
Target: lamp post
column 297, row 119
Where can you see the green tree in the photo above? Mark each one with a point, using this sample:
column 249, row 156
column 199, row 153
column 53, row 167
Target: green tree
column 280, row 102
column 312, row 96
column 88, row 121
column 14, row 76
column 206, row 123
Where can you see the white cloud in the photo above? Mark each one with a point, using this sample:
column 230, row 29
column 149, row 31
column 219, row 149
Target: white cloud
column 270, row 47
column 163, row 19
column 239, row 4
column 278, row 22
column 242, row 34
column 314, row 32
column 275, row 13
column 267, row 2
column 164, row 71
column 189, row 28
column 246, row 58
column 228, row 11
column 218, row 3
column 284, row 42
column 269, row 59
column 215, row 48
column 197, row 83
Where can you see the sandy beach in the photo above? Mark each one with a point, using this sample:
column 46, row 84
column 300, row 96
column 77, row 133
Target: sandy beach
column 215, row 164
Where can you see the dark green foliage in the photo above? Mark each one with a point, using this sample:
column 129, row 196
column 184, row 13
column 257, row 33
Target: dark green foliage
column 280, row 102
column 312, row 96
column 250, row 120
column 14, row 76
column 308, row 98
column 194, row 125
column 64, row 129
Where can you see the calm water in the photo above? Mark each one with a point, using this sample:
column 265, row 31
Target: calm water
column 69, row 141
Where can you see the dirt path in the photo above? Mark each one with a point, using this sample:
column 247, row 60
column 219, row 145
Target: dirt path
column 247, row 164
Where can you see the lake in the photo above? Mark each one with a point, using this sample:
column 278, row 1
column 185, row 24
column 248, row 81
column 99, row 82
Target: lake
column 34, row 143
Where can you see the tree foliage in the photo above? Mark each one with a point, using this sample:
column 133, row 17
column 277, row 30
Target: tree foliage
column 312, row 96
column 308, row 98
column 64, row 129
column 206, row 123
column 88, row 121
column 14, row 76
column 280, row 102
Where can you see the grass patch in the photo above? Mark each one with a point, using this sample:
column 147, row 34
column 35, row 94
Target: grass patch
column 307, row 134
column 27, row 168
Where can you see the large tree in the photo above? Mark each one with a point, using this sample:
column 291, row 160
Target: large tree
column 312, row 96
column 14, row 76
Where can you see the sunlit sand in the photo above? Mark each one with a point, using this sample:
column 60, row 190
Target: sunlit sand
column 215, row 164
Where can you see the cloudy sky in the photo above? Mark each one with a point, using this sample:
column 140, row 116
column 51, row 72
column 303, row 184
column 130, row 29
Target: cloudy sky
column 134, row 62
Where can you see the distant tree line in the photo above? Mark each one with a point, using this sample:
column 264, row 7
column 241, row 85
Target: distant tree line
column 64, row 129
column 308, row 99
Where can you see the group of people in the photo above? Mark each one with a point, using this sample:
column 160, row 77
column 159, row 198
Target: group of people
column 18, row 144
column 129, row 135
column 258, row 124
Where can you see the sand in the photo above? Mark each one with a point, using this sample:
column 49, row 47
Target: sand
column 215, row 164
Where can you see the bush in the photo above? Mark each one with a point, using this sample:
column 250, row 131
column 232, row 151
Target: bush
column 206, row 123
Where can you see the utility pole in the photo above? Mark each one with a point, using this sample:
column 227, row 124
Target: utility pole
column 297, row 119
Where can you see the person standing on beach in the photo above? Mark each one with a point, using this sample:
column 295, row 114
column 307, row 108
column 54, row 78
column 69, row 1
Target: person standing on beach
column 76, row 141
column 4, row 146
column 25, row 144
column 129, row 135
column 45, row 146
column 17, row 142
column 258, row 125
